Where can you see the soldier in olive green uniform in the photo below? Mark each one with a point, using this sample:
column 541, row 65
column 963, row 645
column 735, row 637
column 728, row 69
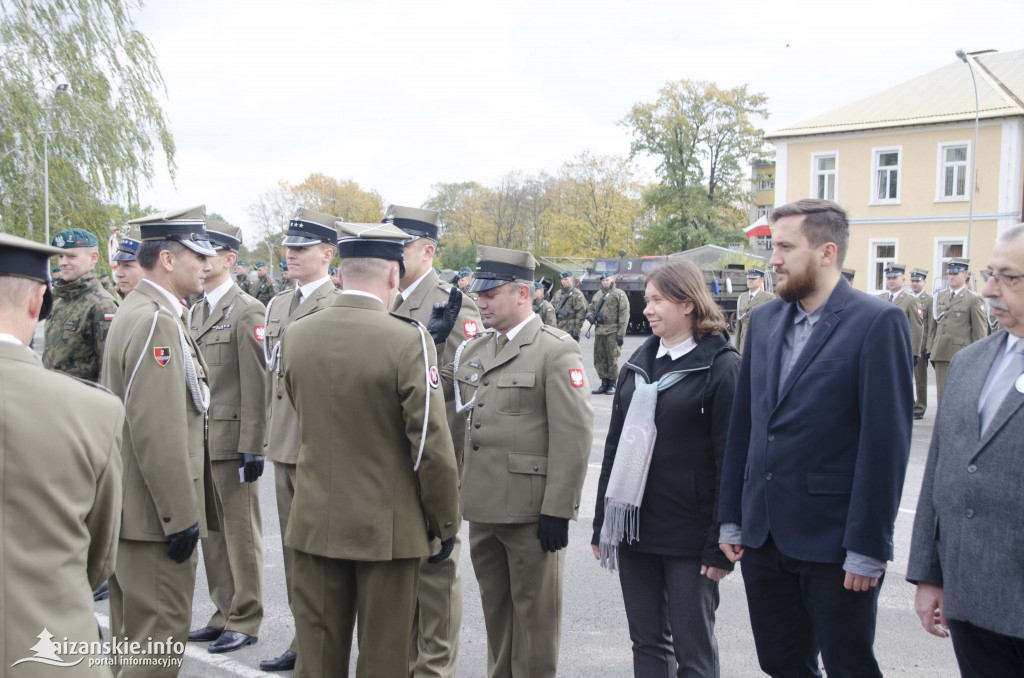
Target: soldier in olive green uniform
column 435, row 640
column 366, row 380
column 265, row 288
column 128, row 272
column 60, row 481
column 959, row 320
column 242, row 277
column 530, row 430
column 228, row 327
column 542, row 306
column 311, row 240
column 287, row 283
column 570, row 306
column 609, row 314
column 924, row 302
column 155, row 367
column 748, row 301
column 82, row 310
column 895, row 277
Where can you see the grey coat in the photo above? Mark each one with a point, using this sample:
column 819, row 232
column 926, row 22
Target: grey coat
column 967, row 537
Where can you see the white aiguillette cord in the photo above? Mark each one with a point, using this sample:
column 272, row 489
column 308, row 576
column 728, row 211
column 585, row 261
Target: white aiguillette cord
column 199, row 391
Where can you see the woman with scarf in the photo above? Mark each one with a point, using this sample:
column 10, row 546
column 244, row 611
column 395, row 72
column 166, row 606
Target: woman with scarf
column 657, row 499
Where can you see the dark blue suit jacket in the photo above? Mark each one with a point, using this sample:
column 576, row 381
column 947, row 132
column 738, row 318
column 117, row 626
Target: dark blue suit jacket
column 819, row 464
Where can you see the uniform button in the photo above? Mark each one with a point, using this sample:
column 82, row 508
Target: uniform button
column 768, row 476
column 448, row 524
column 536, row 468
column 479, row 404
column 972, row 468
column 515, row 381
column 279, row 396
column 487, row 382
column 166, row 519
column 476, row 425
column 234, row 416
column 969, row 513
column 771, row 438
column 199, row 342
column 475, row 446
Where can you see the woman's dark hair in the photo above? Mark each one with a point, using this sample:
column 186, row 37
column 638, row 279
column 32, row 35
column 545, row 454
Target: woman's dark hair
column 682, row 281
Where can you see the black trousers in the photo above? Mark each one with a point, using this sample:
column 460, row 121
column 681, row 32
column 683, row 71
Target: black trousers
column 986, row 654
column 799, row 609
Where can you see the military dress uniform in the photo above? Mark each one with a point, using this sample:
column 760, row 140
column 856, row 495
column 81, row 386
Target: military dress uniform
column 570, row 308
column 155, row 367
column 60, row 495
column 745, row 305
column 609, row 314
column 530, row 427
column 910, row 307
column 365, row 380
column 924, row 302
column 959, row 321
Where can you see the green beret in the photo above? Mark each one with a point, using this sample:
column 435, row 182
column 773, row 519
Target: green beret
column 465, row 271
column 283, row 265
column 333, row 270
column 74, row 237
column 242, row 262
column 260, row 264
column 607, row 274
column 565, row 274
column 55, row 269
column 104, row 275
column 539, row 285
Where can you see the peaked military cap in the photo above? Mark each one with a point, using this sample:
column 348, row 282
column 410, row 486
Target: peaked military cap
column 895, row 270
column 465, row 272
column 376, row 241
column 310, row 228
column 129, row 245
column 187, row 226
column 496, row 266
column 224, row 236
column 25, row 258
column 848, row 273
column 957, row 265
column 419, row 223
column 74, row 237
column 565, row 274
column 755, row 272
column 918, row 274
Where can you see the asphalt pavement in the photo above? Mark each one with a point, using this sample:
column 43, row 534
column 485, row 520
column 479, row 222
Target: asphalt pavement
column 595, row 638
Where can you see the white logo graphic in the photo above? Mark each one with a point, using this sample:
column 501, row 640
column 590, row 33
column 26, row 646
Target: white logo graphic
column 46, row 652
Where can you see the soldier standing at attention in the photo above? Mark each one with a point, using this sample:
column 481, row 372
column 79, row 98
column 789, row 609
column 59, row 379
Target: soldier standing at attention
column 287, row 282
column 82, row 310
column 530, row 429
column 108, row 286
column 169, row 500
column 542, row 306
column 376, row 468
column 265, row 286
column 748, row 301
column 464, row 280
column 311, row 241
column 570, row 306
column 924, row 302
column 609, row 313
column 228, row 327
column 435, row 639
column 128, row 272
column 959, row 320
column 242, row 277
column 60, row 483
column 333, row 272
column 895, row 278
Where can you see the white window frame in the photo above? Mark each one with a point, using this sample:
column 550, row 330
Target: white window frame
column 814, row 174
column 939, row 261
column 874, row 283
column 765, row 182
column 876, row 169
column 764, row 211
column 940, row 173
column 763, row 242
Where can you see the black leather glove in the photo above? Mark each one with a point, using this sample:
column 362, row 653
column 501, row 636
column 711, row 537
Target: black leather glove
column 591, row 319
column 553, row 533
column 915, row 361
column 443, row 316
column 183, row 544
column 618, row 339
column 926, row 355
column 253, row 465
column 446, row 550
column 575, row 335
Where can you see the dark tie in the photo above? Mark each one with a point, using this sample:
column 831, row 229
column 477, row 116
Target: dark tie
column 1001, row 386
column 502, row 340
column 398, row 302
column 296, row 300
column 892, row 298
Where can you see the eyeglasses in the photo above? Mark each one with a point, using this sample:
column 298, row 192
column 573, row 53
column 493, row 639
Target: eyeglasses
column 1005, row 280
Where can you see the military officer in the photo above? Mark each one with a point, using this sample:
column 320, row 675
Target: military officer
column 362, row 379
column 60, row 480
column 242, row 277
column 530, row 428
column 895, row 279
column 435, row 643
column 155, row 367
column 609, row 313
column 959, row 320
column 748, row 301
column 228, row 327
column 82, row 309
column 311, row 242
column 924, row 302
column 570, row 305
column 128, row 272
column 264, row 288
column 542, row 306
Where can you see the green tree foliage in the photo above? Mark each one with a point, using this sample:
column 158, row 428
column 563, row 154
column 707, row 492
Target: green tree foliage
column 703, row 137
column 103, row 132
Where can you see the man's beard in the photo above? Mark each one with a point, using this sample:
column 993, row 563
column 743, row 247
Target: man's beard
column 798, row 285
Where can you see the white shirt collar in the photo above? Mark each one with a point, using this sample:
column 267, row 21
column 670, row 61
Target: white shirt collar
column 894, row 295
column 10, row 339
column 511, row 334
column 1011, row 343
column 309, row 288
column 407, row 292
column 677, row 351
column 752, row 293
column 174, row 301
column 213, row 298
column 360, row 293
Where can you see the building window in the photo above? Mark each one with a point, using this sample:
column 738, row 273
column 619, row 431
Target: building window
column 886, row 175
column 945, row 249
column 764, row 211
column 824, row 167
column 953, row 171
column 765, row 182
column 883, row 253
column 764, row 242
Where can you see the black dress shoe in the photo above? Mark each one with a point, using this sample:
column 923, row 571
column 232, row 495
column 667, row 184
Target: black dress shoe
column 204, row 635
column 286, row 662
column 918, row 415
column 230, row 641
column 611, row 387
column 102, row 593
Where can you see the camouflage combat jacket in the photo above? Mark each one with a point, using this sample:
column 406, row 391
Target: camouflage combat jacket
column 77, row 327
column 265, row 289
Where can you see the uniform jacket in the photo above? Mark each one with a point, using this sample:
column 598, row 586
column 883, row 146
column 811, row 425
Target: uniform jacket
column 282, row 437
column 168, row 482
column 924, row 302
column 430, row 291
column 809, row 462
column 264, row 288
column 744, row 307
column 572, row 311
column 544, row 309
column 530, row 427
column 376, row 467
column 915, row 317
column 679, row 507
column 615, row 311
column 77, row 327
column 60, row 504
column 967, row 536
column 231, row 341
column 957, row 324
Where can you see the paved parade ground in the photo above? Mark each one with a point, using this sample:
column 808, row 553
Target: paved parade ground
column 595, row 640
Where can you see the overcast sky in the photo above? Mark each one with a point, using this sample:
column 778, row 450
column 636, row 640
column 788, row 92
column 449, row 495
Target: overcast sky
column 401, row 95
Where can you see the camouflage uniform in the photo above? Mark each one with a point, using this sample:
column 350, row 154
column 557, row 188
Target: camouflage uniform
column 570, row 310
column 610, row 322
column 546, row 311
column 266, row 289
column 109, row 287
column 245, row 284
column 77, row 327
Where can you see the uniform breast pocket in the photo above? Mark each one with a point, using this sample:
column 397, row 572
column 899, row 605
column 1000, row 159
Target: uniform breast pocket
column 527, row 477
column 516, row 393
column 217, row 347
column 823, row 366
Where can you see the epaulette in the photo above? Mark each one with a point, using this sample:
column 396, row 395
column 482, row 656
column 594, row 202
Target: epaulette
column 411, row 321
column 93, row 384
column 555, row 332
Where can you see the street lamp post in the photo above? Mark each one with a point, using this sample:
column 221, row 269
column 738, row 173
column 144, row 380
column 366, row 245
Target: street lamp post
column 61, row 89
column 974, row 154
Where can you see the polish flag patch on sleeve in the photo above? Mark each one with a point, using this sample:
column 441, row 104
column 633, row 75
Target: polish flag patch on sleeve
column 107, row 317
column 261, row 332
column 576, row 377
column 469, row 328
